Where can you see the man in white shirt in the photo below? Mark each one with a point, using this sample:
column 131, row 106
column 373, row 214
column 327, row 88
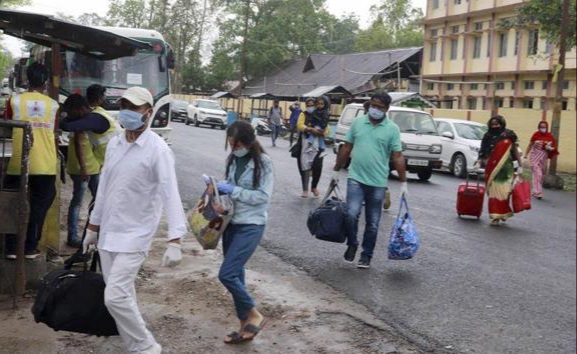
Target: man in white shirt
column 138, row 179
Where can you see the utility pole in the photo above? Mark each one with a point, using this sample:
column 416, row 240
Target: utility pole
column 243, row 57
column 552, row 180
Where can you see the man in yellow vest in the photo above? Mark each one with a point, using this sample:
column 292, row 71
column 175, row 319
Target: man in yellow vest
column 81, row 165
column 93, row 128
column 40, row 111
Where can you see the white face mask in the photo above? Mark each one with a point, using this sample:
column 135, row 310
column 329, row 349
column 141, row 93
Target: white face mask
column 543, row 130
column 242, row 152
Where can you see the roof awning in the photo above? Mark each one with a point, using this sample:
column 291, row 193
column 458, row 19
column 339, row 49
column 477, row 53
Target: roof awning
column 324, row 90
column 47, row 30
column 223, row 94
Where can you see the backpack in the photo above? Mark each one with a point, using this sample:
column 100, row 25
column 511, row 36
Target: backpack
column 73, row 301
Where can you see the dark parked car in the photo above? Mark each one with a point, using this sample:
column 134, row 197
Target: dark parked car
column 178, row 110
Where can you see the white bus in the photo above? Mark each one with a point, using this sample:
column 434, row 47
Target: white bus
column 149, row 68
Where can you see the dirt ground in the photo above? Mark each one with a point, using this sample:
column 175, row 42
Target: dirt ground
column 189, row 311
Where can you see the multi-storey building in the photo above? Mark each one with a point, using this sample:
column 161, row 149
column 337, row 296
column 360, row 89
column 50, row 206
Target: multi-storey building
column 465, row 41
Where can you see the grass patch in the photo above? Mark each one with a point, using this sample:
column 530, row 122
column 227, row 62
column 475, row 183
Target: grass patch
column 570, row 183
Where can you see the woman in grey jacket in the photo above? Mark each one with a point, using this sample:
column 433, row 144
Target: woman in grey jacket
column 249, row 182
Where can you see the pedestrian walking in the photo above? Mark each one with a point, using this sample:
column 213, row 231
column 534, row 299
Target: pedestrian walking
column 41, row 112
column 275, row 119
column 387, row 202
column 499, row 149
column 542, row 147
column 249, row 182
column 306, row 129
column 320, row 120
column 136, row 182
column 81, row 164
column 293, row 120
column 369, row 144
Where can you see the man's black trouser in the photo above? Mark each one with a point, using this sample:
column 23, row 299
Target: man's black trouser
column 42, row 191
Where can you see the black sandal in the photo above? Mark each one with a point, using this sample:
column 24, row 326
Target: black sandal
column 236, row 338
column 254, row 330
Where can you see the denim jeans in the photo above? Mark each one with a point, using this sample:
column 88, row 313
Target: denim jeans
column 373, row 197
column 275, row 132
column 76, row 203
column 239, row 243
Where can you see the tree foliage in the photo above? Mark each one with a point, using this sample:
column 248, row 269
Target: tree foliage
column 547, row 15
column 396, row 25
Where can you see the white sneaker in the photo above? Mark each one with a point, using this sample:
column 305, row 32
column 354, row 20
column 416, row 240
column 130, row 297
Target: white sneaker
column 155, row 349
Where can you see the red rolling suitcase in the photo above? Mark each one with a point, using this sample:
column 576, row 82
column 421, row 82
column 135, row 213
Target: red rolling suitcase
column 471, row 198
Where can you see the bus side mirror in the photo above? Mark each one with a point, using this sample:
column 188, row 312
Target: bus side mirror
column 170, row 61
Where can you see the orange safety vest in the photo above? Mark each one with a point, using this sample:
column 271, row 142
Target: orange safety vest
column 40, row 111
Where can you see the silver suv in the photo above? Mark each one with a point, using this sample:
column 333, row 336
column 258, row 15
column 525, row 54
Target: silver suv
column 422, row 146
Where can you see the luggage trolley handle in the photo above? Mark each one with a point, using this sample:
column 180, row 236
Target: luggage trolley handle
column 477, row 175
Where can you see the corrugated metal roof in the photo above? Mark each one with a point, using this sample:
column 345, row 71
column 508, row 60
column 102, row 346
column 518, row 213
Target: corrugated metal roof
column 323, row 90
column 354, row 72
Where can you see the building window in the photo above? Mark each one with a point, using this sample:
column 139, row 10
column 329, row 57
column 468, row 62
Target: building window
column 435, row 4
column 458, row 2
column 499, row 103
column 434, row 33
column 433, row 53
column 517, row 41
column 529, row 85
column 474, row 87
column 503, row 44
column 512, row 102
column 478, row 26
column 430, row 86
column 489, row 44
column 566, row 85
column 543, row 103
column 449, row 104
column 472, row 103
column 455, row 29
column 533, row 42
column 450, row 87
column 565, row 105
column 500, row 86
column 545, row 85
column 454, row 48
column 513, row 85
column 528, row 103
column 477, row 43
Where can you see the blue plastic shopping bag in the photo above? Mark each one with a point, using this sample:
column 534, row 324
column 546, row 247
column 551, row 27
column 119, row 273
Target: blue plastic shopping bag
column 404, row 240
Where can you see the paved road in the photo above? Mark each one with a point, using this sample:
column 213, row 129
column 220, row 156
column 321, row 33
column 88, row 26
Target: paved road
column 471, row 289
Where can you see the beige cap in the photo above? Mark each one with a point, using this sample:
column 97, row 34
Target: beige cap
column 138, row 96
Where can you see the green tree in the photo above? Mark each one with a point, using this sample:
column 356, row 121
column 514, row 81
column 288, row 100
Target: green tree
column 129, row 13
column 14, row 3
column 280, row 31
column 547, row 15
column 92, row 19
column 396, row 25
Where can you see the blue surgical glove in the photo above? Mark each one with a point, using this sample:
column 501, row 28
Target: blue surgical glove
column 225, row 187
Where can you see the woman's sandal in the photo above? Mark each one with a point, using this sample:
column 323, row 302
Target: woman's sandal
column 235, row 338
column 254, row 330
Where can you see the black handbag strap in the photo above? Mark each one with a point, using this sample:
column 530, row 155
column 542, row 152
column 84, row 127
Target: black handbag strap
column 95, row 264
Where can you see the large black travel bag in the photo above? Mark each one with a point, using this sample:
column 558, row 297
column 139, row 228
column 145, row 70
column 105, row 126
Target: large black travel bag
column 73, row 301
column 328, row 221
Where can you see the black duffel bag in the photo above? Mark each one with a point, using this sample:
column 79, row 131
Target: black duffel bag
column 73, row 301
column 328, row 221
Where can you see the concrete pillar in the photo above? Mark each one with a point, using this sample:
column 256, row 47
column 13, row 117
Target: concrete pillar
column 506, row 102
column 571, row 104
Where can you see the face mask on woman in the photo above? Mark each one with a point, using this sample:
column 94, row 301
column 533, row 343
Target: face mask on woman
column 130, row 120
column 242, row 152
column 543, row 130
column 310, row 109
column 376, row 114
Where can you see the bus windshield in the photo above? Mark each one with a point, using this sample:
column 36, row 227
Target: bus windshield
column 146, row 69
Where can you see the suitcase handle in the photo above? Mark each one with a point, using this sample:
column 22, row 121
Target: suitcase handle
column 468, row 182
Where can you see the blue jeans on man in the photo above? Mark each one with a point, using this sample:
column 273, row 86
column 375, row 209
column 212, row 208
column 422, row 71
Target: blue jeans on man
column 239, row 242
column 373, row 198
column 275, row 132
column 80, row 187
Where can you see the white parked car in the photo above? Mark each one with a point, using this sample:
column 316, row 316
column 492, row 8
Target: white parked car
column 206, row 112
column 422, row 146
column 461, row 144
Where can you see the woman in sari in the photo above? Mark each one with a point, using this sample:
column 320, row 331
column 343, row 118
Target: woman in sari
column 498, row 151
column 541, row 148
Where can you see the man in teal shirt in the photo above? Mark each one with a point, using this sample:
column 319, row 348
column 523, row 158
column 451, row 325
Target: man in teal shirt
column 370, row 143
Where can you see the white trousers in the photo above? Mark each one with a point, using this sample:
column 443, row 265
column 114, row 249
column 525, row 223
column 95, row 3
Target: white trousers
column 119, row 271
